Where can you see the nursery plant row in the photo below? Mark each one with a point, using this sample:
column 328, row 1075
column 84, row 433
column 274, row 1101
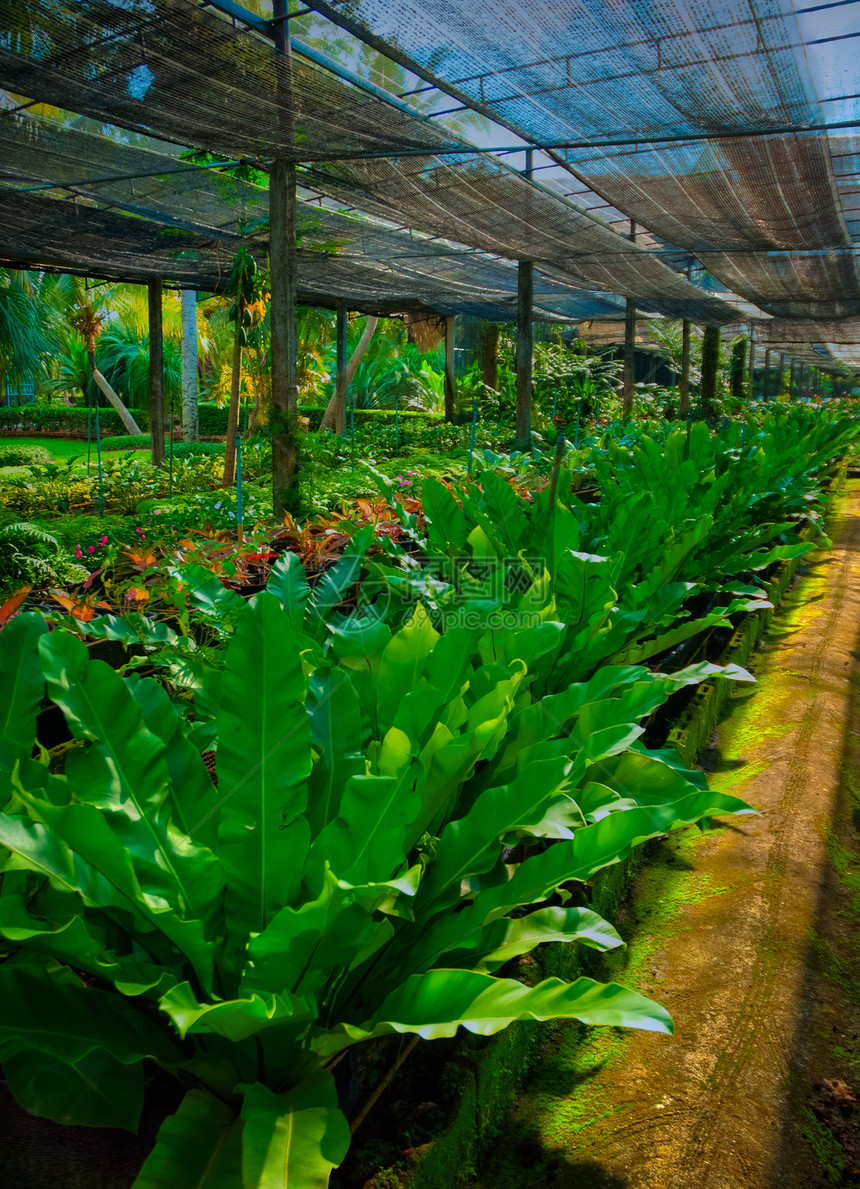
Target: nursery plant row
column 287, row 825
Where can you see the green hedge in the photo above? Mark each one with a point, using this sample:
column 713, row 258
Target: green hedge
column 371, row 417
column 180, row 449
column 57, row 419
column 211, row 419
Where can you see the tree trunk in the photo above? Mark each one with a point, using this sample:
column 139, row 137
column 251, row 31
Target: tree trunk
column 125, row 417
column 684, row 392
column 710, row 364
column 525, row 349
column 156, row 372
column 233, row 414
column 629, row 359
column 189, row 365
column 329, row 416
column 490, row 354
column 450, row 381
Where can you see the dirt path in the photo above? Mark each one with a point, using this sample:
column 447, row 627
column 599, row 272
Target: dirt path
column 749, row 935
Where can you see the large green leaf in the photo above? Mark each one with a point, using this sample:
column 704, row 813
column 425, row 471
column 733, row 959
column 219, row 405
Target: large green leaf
column 336, row 727
column 446, row 524
column 264, row 759
column 70, row 1020
column 401, row 663
column 200, row 1147
column 487, row 947
column 335, row 583
column 124, row 771
column 437, row 1003
column 94, row 1091
column 73, row 847
column 194, row 798
column 234, row 1019
column 288, row 583
column 293, row 1140
column 23, row 685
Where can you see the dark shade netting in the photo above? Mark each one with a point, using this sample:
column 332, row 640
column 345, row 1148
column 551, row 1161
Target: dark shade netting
column 372, row 268
column 481, row 202
column 172, row 69
column 164, row 67
column 778, row 330
column 621, row 70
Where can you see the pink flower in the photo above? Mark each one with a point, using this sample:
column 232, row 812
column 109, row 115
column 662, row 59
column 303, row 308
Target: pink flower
column 77, row 551
column 103, row 540
column 139, row 530
column 91, row 548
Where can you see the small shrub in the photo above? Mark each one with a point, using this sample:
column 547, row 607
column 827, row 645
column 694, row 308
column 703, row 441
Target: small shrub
column 23, row 456
column 31, row 557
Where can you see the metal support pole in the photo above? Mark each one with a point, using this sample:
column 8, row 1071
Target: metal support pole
column 170, row 478
column 474, row 430
column 283, row 268
column 629, row 347
column 525, row 350
column 766, row 392
column 240, row 515
column 684, row 387
column 99, row 461
column 450, row 382
column 340, row 371
column 156, row 372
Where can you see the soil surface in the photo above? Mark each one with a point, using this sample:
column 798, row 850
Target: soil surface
column 750, row 934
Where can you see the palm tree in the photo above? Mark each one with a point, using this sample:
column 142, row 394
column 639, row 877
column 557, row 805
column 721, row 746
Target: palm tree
column 86, row 310
column 25, row 333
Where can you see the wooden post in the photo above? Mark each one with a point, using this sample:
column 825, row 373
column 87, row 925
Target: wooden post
column 791, row 381
column 766, row 392
column 801, row 390
column 156, row 372
column 710, row 365
column 282, row 309
column 450, row 381
column 778, row 392
column 340, row 370
column 490, row 354
column 525, row 350
column 752, row 362
column 684, row 402
column 629, row 347
column 188, row 300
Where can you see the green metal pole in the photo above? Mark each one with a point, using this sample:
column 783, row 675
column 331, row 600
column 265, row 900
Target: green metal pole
column 474, row 427
column 240, row 517
column 170, row 475
column 99, row 458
